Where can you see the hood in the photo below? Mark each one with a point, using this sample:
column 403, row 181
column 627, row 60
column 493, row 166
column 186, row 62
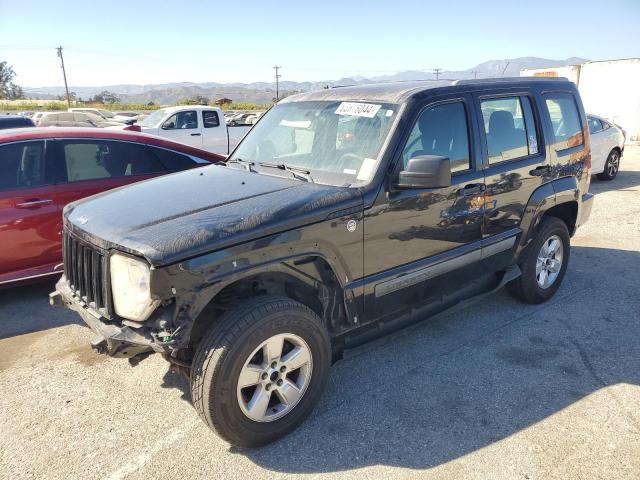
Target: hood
column 178, row 216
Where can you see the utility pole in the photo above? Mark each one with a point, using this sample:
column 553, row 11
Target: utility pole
column 64, row 74
column 437, row 72
column 475, row 74
column 277, row 67
column 505, row 68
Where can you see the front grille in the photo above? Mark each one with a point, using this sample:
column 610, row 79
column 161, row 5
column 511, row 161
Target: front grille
column 85, row 268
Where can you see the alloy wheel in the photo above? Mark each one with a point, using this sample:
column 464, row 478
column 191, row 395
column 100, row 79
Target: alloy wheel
column 549, row 261
column 613, row 164
column 274, row 377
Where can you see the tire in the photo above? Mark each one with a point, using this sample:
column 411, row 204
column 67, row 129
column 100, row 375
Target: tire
column 527, row 287
column 611, row 166
column 237, row 343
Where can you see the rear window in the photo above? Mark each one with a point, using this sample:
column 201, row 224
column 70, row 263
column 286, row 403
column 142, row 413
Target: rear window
column 565, row 119
column 210, row 119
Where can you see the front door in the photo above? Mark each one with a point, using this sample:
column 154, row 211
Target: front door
column 420, row 243
column 183, row 127
column 28, row 213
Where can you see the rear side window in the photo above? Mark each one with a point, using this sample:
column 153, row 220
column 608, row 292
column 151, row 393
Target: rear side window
column 210, row 119
column 172, row 161
column 441, row 130
column 509, row 127
column 595, row 125
column 565, row 120
column 22, row 165
column 97, row 159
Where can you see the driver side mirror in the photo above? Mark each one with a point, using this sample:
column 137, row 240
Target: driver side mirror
column 169, row 125
column 426, row 171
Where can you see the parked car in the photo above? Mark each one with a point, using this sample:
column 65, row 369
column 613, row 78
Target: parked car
column 72, row 119
column 253, row 118
column 105, row 115
column 607, row 147
column 128, row 117
column 201, row 126
column 308, row 243
column 240, row 119
column 15, row 121
column 43, row 169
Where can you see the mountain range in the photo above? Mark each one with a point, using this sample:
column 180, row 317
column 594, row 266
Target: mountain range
column 263, row 92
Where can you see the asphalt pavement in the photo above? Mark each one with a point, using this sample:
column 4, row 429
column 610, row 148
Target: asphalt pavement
column 499, row 390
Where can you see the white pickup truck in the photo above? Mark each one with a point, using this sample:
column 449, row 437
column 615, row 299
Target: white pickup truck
column 197, row 125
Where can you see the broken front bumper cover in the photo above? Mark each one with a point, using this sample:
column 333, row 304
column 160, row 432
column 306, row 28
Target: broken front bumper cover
column 112, row 339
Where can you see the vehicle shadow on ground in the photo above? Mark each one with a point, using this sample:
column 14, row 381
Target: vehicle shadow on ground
column 460, row 382
column 26, row 309
column 624, row 180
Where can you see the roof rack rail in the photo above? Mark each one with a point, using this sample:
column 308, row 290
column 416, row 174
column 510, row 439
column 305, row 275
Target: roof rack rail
column 509, row 80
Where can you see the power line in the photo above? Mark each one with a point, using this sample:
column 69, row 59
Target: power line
column 277, row 68
column 64, row 74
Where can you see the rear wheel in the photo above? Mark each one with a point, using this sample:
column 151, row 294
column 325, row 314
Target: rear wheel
column 543, row 264
column 611, row 166
column 260, row 370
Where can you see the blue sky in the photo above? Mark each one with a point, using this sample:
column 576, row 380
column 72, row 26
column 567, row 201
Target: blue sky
column 142, row 41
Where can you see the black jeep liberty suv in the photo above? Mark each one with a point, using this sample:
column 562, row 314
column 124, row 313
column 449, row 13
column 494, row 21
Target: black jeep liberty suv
column 343, row 214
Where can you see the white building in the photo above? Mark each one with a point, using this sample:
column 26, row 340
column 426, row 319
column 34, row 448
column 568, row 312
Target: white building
column 609, row 88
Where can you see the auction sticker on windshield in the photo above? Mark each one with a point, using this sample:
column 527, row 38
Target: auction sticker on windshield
column 368, row 110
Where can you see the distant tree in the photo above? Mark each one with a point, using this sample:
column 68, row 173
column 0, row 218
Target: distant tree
column 109, row 97
column 195, row 100
column 150, row 104
column 8, row 89
column 72, row 97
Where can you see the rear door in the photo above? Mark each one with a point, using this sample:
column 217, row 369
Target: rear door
column 599, row 142
column 183, row 127
column 28, row 212
column 214, row 133
column 515, row 163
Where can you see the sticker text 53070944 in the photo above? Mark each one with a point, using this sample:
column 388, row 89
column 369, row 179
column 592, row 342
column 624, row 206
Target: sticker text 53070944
column 368, row 110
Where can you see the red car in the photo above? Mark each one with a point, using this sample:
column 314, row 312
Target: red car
column 43, row 169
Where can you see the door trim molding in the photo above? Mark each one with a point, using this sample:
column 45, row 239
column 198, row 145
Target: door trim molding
column 449, row 261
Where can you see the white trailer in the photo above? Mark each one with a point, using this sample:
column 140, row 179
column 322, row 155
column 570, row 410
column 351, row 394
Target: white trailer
column 609, row 88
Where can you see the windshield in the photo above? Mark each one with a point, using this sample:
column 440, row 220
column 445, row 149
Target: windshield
column 153, row 119
column 339, row 143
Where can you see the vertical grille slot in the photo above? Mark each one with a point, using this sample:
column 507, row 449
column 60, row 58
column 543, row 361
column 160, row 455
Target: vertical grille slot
column 86, row 272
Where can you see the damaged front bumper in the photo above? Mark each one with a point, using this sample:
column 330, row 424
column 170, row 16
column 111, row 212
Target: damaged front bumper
column 112, row 338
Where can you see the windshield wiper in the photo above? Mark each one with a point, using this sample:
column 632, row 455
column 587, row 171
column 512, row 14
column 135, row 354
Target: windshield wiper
column 245, row 163
column 298, row 172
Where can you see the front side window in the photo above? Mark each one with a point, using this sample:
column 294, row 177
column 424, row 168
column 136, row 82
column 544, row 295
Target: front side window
column 339, row 143
column 22, row 165
column 509, row 128
column 182, row 120
column 210, row 119
column 441, row 130
column 565, row 120
column 96, row 159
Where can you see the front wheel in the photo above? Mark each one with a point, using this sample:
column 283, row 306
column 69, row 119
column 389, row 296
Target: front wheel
column 260, row 370
column 543, row 264
column 611, row 166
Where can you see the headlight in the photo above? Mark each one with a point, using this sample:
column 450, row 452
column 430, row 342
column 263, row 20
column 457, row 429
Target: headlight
column 130, row 288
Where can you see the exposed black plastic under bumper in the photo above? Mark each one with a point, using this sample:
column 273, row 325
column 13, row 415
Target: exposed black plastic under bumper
column 116, row 341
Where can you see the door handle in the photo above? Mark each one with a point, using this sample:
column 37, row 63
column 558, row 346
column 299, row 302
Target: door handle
column 36, row 202
column 195, row 134
column 540, row 171
column 471, row 189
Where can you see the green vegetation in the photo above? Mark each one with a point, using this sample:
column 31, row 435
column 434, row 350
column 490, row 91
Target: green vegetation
column 54, row 105
column 8, row 89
